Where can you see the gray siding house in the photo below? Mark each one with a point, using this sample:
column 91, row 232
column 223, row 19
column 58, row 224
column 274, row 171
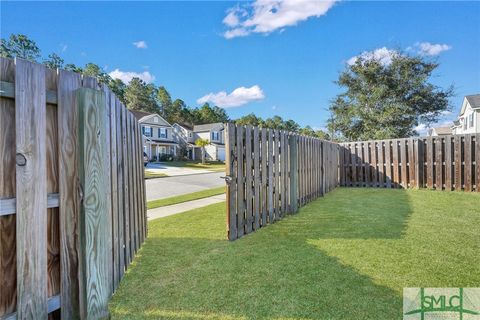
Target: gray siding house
column 158, row 135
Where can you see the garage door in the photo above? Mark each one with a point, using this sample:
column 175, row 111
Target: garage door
column 221, row 154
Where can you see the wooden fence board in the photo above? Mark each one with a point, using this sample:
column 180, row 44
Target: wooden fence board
column 403, row 157
column 270, row 186
column 438, row 163
column 31, row 189
column 458, row 162
column 94, row 209
column 388, row 163
column 240, row 183
column 126, row 182
column 277, row 174
column 467, row 155
column 248, row 180
column 231, row 189
column 411, row 163
column 8, row 276
column 256, row 178
column 264, row 178
column 112, row 110
column 448, row 163
column 477, row 162
column 121, row 245
column 69, row 198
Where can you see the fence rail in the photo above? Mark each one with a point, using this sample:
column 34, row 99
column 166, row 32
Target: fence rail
column 72, row 196
column 271, row 173
column 440, row 163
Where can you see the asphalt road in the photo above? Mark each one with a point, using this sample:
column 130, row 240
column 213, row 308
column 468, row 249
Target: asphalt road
column 174, row 186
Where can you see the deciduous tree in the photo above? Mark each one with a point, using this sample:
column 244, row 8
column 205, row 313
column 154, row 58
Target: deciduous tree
column 386, row 99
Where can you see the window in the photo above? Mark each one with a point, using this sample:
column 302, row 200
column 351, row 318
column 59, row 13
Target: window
column 215, row 136
column 470, row 120
column 162, row 133
column 465, row 123
column 155, row 119
column 147, row 131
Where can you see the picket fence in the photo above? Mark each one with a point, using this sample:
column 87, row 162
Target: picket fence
column 270, row 173
column 440, row 163
column 72, row 195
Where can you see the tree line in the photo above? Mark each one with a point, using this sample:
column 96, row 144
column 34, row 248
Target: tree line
column 382, row 99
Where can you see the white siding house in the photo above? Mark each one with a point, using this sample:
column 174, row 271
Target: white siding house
column 469, row 119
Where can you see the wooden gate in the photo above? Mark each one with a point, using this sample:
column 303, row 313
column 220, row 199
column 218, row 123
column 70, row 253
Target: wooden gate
column 270, row 173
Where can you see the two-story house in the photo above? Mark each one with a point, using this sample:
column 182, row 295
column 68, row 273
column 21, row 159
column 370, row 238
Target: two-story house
column 469, row 119
column 213, row 132
column 159, row 136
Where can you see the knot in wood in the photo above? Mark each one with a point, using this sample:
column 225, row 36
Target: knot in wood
column 20, row 159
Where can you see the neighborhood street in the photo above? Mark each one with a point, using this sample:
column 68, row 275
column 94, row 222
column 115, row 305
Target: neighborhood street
column 174, row 186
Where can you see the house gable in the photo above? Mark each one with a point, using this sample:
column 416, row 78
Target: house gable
column 154, row 120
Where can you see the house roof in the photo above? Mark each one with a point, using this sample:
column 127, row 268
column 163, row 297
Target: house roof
column 143, row 116
column 140, row 114
column 183, row 125
column 443, row 130
column 208, row 127
column 474, row 100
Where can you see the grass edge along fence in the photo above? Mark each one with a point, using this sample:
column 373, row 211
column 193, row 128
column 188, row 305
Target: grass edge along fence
column 72, row 193
column 271, row 173
column 442, row 163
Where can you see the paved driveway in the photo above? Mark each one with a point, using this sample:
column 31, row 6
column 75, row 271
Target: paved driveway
column 174, row 186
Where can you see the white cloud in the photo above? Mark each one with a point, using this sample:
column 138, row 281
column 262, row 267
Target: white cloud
column 430, row 49
column 236, row 98
column 63, row 47
column 126, row 76
column 140, row 44
column 384, row 55
column 265, row 16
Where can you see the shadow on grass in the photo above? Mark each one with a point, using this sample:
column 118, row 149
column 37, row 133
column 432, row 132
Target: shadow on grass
column 187, row 271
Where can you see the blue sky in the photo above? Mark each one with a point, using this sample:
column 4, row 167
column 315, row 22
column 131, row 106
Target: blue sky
column 284, row 60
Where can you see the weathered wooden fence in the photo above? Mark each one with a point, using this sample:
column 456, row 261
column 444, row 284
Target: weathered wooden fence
column 72, row 201
column 270, row 173
column 441, row 163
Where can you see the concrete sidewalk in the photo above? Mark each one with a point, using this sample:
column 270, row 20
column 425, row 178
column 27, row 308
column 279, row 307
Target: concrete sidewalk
column 184, row 206
column 172, row 171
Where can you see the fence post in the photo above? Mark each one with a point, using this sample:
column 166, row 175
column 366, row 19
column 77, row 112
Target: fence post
column 293, row 173
column 93, row 223
column 419, row 157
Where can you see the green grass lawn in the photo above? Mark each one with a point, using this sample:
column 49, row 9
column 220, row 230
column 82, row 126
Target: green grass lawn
column 345, row 256
column 185, row 197
column 209, row 165
column 152, row 175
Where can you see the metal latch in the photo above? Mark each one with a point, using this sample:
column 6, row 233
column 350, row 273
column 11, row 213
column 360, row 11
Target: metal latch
column 227, row 179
